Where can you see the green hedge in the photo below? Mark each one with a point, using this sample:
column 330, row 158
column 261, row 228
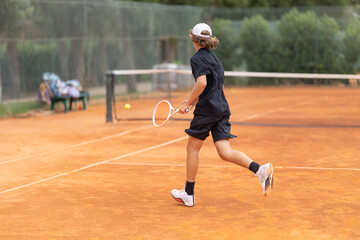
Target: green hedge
column 297, row 42
column 14, row 109
column 34, row 59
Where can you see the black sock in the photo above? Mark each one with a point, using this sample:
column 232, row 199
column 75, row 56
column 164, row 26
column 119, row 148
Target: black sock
column 254, row 167
column 189, row 188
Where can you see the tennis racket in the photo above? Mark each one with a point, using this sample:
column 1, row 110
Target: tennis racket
column 163, row 111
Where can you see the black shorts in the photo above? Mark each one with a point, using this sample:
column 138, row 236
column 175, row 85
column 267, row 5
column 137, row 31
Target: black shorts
column 201, row 125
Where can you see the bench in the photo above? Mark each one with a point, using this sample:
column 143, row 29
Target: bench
column 84, row 96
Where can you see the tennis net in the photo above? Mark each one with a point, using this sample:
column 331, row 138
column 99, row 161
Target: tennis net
column 255, row 98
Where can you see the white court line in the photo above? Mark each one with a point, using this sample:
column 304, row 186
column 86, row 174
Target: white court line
column 77, row 145
column 262, row 114
column 152, row 164
column 96, row 164
column 165, row 164
column 320, row 168
column 232, row 166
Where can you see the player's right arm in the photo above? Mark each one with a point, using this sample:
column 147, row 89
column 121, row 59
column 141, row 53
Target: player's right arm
column 198, row 88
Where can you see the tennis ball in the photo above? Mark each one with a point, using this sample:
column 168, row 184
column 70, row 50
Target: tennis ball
column 127, row 106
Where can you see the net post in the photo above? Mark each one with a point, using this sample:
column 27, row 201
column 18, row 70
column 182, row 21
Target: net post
column 110, row 78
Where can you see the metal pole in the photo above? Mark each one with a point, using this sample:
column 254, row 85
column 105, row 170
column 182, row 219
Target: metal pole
column 110, row 78
column 85, row 18
column 316, row 39
column 169, row 87
column 0, row 86
column 86, row 33
column 316, row 44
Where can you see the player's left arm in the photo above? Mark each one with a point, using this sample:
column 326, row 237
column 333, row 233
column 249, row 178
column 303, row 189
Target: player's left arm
column 198, row 88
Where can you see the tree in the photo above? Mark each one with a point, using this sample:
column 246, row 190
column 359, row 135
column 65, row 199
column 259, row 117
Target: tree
column 256, row 40
column 254, row 3
column 307, row 43
column 52, row 22
column 48, row 19
column 228, row 43
column 102, row 26
column 352, row 47
column 13, row 17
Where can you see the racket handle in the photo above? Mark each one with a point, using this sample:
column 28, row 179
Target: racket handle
column 177, row 110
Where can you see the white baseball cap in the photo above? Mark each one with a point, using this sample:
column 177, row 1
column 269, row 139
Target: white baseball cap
column 201, row 27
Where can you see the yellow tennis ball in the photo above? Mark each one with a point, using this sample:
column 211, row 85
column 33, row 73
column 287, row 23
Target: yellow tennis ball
column 127, row 106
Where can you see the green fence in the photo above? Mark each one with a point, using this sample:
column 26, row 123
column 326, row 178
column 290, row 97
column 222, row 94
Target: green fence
column 82, row 39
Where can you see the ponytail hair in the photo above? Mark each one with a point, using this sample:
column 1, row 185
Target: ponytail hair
column 210, row 42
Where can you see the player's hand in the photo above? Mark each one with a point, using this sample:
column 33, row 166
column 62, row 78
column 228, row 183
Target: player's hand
column 184, row 108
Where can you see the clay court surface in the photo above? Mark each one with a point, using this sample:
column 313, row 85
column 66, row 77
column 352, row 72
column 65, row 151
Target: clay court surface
column 74, row 176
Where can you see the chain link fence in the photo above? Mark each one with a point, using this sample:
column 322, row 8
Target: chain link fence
column 82, row 39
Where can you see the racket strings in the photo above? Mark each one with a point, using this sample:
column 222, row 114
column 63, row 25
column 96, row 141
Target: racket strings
column 162, row 113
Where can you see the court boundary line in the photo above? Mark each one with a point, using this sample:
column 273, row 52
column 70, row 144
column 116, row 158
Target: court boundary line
column 230, row 166
column 76, row 145
column 151, row 164
column 95, row 164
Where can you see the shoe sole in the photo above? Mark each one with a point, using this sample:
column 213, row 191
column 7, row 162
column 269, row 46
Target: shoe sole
column 181, row 201
column 269, row 182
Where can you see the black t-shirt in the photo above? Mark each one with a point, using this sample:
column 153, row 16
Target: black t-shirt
column 212, row 101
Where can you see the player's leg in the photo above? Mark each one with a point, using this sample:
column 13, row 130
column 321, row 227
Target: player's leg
column 186, row 195
column 199, row 130
column 228, row 154
column 192, row 159
column 221, row 135
column 264, row 172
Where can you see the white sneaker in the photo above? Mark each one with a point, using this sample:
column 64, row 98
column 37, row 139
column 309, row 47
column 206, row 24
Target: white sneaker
column 183, row 197
column 265, row 175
